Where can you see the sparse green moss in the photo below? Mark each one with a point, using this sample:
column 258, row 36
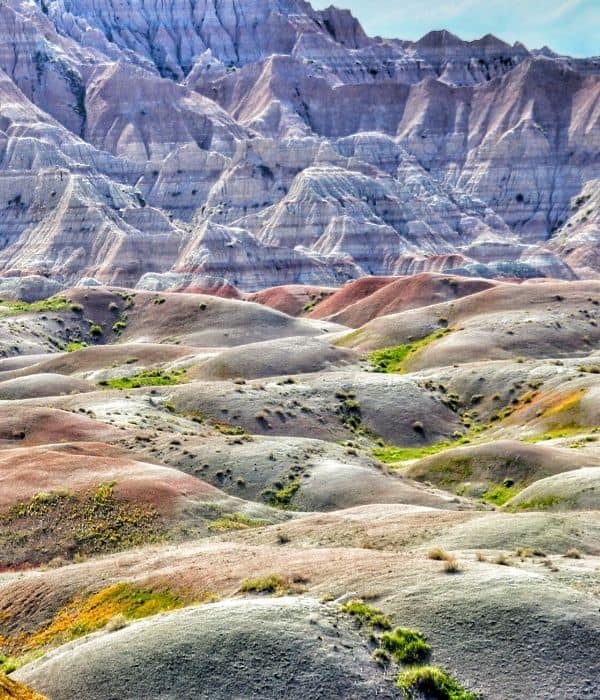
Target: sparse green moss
column 431, row 682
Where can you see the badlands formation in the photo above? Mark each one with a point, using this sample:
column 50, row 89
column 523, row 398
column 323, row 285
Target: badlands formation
column 204, row 144
column 299, row 358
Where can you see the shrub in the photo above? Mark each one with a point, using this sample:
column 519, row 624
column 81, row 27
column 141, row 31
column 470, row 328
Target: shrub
column 502, row 560
column 573, row 553
column 118, row 622
column 438, row 554
column 452, row 565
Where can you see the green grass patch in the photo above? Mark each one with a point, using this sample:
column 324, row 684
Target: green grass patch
column 390, row 453
column 8, row 664
column 499, row 494
column 75, row 345
column 236, row 521
column 150, row 377
column 405, row 646
column 431, row 682
column 365, row 615
column 24, row 307
column 558, row 433
column 282, row 498
column 394, row 359
column 544, row 503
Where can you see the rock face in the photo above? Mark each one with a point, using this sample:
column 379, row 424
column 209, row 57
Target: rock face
column 260, row 143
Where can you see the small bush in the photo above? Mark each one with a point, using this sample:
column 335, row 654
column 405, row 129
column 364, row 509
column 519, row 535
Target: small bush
column 502, row 560
column 438, row 554
column 118, row 622
column 573, row 553
column 452, row 565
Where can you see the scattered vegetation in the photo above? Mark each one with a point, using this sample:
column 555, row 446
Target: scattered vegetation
column 96, row 330
column 62, row 524
column 452, row 565
column 438, row 554
column 405, row 646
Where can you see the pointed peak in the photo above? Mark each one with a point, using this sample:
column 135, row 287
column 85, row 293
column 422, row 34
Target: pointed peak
column 439, row 38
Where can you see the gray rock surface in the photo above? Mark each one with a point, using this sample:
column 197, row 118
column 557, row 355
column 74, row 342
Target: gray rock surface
column 261, row 648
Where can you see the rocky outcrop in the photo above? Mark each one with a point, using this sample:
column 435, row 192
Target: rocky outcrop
column 265, row 143
column 578, row 240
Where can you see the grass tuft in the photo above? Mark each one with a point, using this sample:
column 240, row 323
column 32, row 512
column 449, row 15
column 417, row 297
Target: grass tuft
column 365, row 615
column 236, row 521
column 274, row 584
column 431, row 682
column 405, row 645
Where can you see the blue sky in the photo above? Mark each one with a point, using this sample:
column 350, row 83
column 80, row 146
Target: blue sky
column 567, row 26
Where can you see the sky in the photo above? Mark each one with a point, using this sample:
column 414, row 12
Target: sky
column 566, row 26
